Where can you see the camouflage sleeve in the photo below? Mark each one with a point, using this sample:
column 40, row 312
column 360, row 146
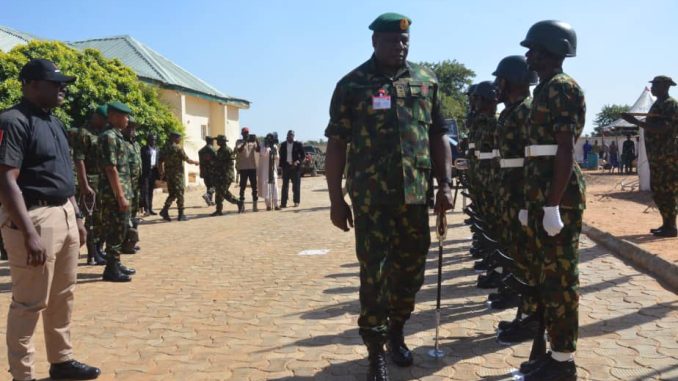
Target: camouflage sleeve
column 182, row 154
column 568, row 100
column 80, row 143
column 438, row 126
column 108, row 148
column 339, row 126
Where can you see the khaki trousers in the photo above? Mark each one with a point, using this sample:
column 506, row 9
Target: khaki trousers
column 46, row 290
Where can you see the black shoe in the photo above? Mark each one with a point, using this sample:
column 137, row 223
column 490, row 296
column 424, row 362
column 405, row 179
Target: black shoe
column 181, row 218
column 128, row 250
column 657, row 229
column 112, row 273
column 523, row 331
column 277, row 208
column 491, row 280
column 482, row 265
column 668, row 232
column 532, row 365
column 165, row 215
column 378, row 370
column 217, row 213
column 552, row 370
column 73, row 370
column 508, row 300
column 241, row 206
column 126, row 270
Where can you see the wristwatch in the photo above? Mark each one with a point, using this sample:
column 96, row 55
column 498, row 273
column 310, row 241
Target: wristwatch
column 79, row 215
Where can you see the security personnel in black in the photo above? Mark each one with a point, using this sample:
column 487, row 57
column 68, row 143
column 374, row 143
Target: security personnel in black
column 42, row 226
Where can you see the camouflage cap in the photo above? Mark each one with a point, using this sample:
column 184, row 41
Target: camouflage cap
column 119, row 107
column 102, row 110
column 391, row 22
column 663, row 78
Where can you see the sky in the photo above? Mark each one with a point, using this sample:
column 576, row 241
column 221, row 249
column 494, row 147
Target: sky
column 286, row 56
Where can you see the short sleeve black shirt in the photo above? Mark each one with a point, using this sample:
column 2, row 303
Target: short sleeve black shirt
column 35, row 142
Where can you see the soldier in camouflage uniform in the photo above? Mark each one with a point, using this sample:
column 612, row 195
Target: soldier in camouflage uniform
column 513, row 88
column 389, row 112
column 224, row 175
column 555, row 194
column 115, row 190
column 171, row 168
column 206, row 157
column 85, row 157
column 661, row 145
column 134, row 154
column 485, row 124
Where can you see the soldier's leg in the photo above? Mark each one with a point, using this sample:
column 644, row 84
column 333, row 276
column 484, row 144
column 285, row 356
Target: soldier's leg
column 372, row 246
column 228, row 196
column 219, row 193
column 180, row 200
column 115, row 228
column 559, row 280
column 171, row 194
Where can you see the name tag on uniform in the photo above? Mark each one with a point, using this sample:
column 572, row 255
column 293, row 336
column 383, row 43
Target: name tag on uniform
column 381, row 101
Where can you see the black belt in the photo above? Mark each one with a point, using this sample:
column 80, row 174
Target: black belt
column 44, row 202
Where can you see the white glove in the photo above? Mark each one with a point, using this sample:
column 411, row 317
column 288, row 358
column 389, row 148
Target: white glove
column 522, row 217
column 552, row 222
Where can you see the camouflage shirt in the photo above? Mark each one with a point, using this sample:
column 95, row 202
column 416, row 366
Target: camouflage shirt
column 85, row 148
column 173, row 156
column 511, row 136
column 388, row 123
column 206, row 157
column 134, row 153
column 113, row 151
column 557, row 106
column 664, row 143
column 223, row 166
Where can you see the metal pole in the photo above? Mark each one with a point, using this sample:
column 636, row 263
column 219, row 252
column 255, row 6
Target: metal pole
column 441, row 232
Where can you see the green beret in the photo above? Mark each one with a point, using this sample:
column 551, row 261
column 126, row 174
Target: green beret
column 391, row 22
column 221, row 138
column 663, row 78
column 119, row 107
column 102, row 110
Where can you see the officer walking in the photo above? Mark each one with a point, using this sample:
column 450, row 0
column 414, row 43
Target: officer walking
column 171, row 168
column 85, row 157
column 224, row 176
column 206, row 157
column 116, row 191
column 388, row 110
column 555, row 193
column 42, row 226
column 661, row 145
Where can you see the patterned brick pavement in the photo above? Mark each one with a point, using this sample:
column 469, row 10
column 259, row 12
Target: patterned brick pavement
column 230, row 298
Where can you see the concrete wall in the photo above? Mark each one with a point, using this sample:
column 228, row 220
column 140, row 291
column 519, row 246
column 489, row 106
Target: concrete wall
column 201, row 117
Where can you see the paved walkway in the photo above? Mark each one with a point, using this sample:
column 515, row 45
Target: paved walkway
column 230, row 298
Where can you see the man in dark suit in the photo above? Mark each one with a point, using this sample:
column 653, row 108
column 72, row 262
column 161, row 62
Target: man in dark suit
column 149, row 173
column 291, row 156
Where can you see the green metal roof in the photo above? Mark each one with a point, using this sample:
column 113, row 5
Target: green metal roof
column 10, row 38
column 152, row 67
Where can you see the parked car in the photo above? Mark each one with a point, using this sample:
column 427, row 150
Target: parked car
column 314, row 161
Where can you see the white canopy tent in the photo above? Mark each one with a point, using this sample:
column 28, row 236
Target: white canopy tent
column 642, row 105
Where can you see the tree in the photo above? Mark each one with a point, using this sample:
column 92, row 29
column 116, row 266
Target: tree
column 607, row 115
column 100, row 80
column 453, row 79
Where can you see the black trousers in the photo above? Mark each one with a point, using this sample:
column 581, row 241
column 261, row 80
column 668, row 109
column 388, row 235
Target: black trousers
column 291, row 173
column 146, row 189
column 250, row 174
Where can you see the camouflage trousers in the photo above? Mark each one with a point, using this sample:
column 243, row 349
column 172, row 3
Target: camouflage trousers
column 557, row 263
column 136, row 193
column 223, row 193
column 664, row 184
column 391, row 246
column 175, row 188
column 114, row 227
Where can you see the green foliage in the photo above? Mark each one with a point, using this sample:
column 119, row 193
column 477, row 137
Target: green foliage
column 607, row 115
column 100, row 80
column 453, row 78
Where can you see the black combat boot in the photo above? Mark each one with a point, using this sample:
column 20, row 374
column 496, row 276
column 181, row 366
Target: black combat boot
column 164, row 213
column 112, row 272
column 241, row 206
column 552, row 370
column 400, row 353
column 521, row 331
column 378, row 369
column 181, row 216
column 126, row 270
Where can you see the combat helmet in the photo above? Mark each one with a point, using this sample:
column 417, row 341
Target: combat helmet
column 486, row 90
column 556, row 37
column 514, row 69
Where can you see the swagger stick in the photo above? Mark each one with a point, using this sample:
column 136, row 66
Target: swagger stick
column 441, row 233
